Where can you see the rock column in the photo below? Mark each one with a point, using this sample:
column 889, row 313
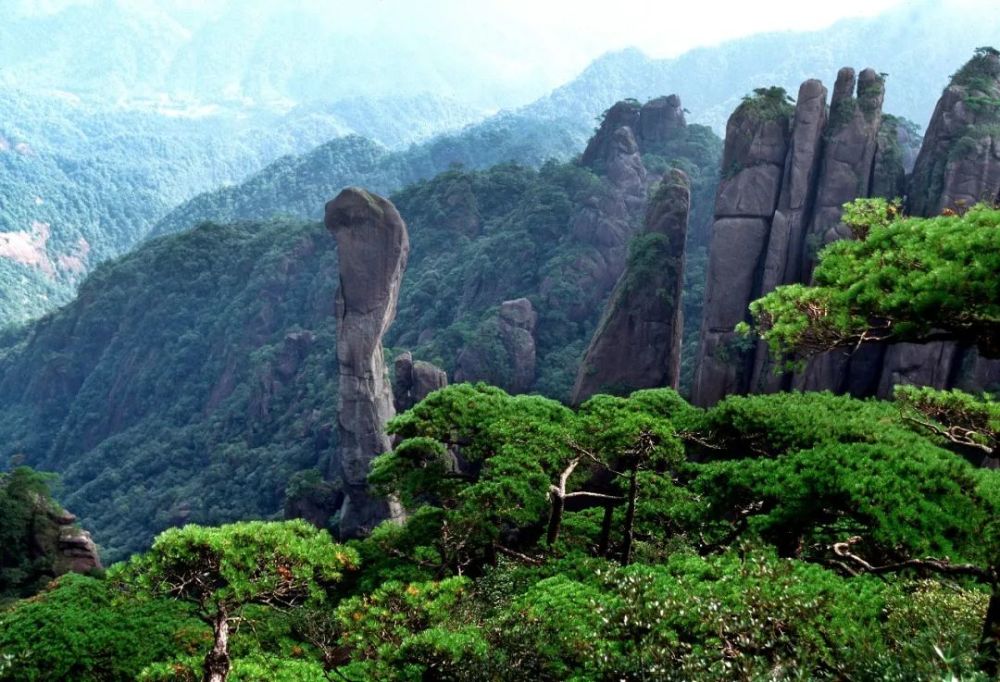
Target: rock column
column 373, row 246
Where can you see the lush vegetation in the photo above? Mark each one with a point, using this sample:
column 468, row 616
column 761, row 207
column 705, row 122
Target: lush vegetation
column 216, row 346
column 793, row 536
column 187, row 383
column 901, row 279
column 300, row 185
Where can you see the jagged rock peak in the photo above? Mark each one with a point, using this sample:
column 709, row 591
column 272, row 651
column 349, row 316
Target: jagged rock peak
column 652, row 125
column 959, row 161
column 373, row 247
column 659, row 121
column 414, row 380
column 638, row 340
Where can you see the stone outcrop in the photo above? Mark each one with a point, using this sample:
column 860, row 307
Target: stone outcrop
column 502, row 351
column 601, row 229
column 833, row 156
column 849, row 162
column 652, row 125
column 757, row 141
column 638, row 340
column 75, row 549
column 959, row 162
column 373, row 247
column 788, row 172
column 414, row 380
column 848, row 157
column 958, row 166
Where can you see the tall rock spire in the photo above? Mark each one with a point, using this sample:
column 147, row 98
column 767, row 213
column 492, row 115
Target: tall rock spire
column 959, row 162
column 638, row 340
column 753, row 168
column 373, row 247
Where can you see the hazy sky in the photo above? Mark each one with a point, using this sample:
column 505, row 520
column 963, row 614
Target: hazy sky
column 492, row 52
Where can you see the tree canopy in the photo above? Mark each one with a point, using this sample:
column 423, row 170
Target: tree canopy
column 901, row 279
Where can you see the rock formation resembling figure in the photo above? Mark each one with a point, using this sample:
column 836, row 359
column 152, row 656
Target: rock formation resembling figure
column 638, row 340
column 373, row 247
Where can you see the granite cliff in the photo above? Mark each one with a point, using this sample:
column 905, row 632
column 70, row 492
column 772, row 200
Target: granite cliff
column 787, row 172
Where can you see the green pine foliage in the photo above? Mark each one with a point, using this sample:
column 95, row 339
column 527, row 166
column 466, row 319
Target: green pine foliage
column 902, row 279
column 790, row 536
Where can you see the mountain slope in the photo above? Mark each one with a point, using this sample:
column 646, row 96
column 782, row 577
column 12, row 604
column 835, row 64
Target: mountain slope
column 190, row 379
column 80, row 184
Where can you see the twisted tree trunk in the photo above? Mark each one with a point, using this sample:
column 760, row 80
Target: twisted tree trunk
column 217, row 661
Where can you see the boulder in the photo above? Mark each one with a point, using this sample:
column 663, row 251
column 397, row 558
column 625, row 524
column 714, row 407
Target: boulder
column 502, row 351
column 414, row 380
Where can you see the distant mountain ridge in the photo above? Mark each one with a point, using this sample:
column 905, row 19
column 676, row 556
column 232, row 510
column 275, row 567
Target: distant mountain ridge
column 81, row 183
column 919, row 44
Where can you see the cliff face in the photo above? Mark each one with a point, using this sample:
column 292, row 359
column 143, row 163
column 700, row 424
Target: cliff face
column 373, row 247
column 834, row 155
column 959, row 163
column 638, row 340
column 757, row 141
column 788, row 173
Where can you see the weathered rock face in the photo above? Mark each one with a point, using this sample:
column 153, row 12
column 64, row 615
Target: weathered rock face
column 781, row 204
column 414, row 380
column 783, row 262
column 638, row 340
column 959, row 162
column 848, row 156
column 833, row 157
column 660, row 120
column 958, row 166
column 622, row 115
column 76, row 551
column 757, row 141
column 847, row 170
column 373, row 247
column 503, row 350
column 603, row 227
column 58, row 544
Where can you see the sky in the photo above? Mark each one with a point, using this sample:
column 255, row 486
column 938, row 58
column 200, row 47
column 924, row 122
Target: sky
column 491, row 52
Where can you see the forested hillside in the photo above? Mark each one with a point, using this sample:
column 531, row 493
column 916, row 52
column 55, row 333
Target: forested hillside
column 80, row 184
column 214, row 348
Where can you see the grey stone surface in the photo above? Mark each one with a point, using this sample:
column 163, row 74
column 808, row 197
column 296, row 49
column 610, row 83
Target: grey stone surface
column 373, row 247
column 638, row 340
